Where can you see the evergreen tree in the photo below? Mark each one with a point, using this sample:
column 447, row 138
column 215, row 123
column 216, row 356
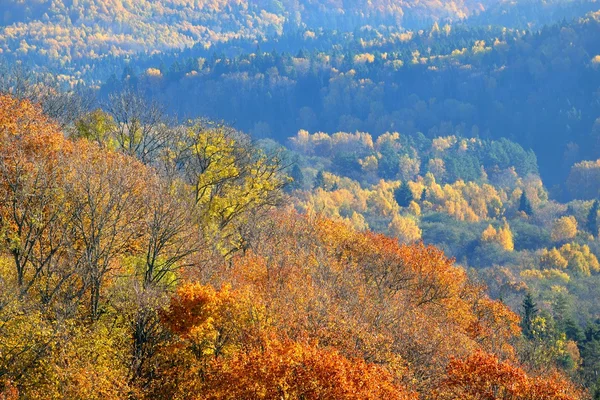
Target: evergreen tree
column 573, row 331
column 319, row 180
column 560, row 311
column 525, row 204
column 403, row 195
column 389, row 163
column 297, row 176
column 302, row 53
column 592, row 219
column 530, row 311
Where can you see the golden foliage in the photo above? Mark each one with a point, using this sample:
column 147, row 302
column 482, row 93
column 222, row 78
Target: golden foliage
column 308, row 306
column 564, row 228
column 502, row 236
column 405, row 229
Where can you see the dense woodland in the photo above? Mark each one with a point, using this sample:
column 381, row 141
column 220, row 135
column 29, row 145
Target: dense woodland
column 145, row 260
column 65, row 30
column 299, row 199
column 87, row 40
column 488, row 83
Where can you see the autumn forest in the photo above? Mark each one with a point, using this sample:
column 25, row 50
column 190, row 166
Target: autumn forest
column 300, row 199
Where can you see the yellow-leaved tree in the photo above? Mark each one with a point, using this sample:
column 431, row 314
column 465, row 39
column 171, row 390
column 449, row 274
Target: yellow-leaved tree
column 230, row 179
column 502, row 236
column 564, row 228
column 405, row 228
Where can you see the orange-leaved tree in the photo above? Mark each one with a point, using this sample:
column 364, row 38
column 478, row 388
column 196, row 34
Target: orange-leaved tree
column 32, row 199
column 407, row 308
column 482, row 376
column 225, row 350
column 293, row 370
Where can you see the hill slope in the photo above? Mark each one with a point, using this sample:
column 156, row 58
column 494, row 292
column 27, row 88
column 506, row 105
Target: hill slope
column 63, row 30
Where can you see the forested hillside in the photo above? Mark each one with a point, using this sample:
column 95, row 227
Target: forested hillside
column 72, row 36
column 69, row 30
column 483, row 203
column 473, row 82
column 161, row 262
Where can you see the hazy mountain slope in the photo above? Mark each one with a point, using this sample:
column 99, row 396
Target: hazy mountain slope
column 533, row 14
column 63, row 30
column 538, row 89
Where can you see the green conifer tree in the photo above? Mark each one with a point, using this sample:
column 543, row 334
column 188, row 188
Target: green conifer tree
column 525, row 204
column 403, row 195
column 297, row 176
column 319, row 180
column 530, row 311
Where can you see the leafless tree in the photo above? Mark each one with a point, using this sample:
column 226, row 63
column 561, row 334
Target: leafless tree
column 141, row 130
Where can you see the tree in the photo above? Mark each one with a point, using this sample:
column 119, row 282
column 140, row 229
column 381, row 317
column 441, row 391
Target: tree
column 96, row 126
column 84, row 364
column 505, row 237
column 592, row 218
column 34, row 207
column 525, row 204
column 502, row 236
column 564, row 228
column 292, row 370
column 25, row 336
column 319, row 180
column 138, row 127
column 405, row 229
column 583, row 180
column 580, row 259
column 530, row 311
column 552, row 259
column 389, row 162
column 403, row 195
column 107, row 197
column 230, row 179
column 8, row 391
column 170, row 235
column 489, row 234
column 483, row 376
column 297, row 176
column 590, row 352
